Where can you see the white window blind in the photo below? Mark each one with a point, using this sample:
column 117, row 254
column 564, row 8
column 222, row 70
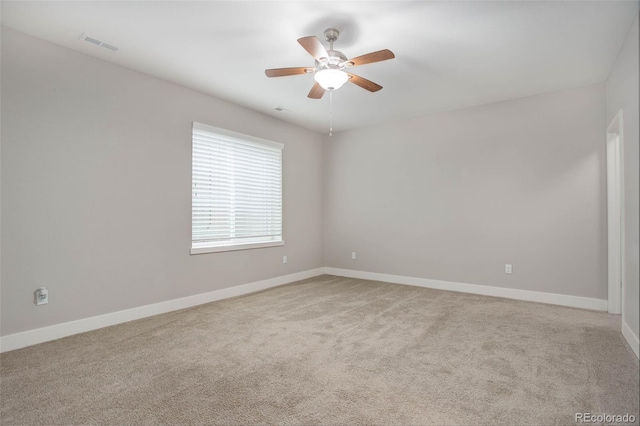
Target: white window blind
column 236, row 191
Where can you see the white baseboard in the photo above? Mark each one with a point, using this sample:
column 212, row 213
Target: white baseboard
column 631, row 338
column 45, row 334
column 40, row 335
column 509, row 293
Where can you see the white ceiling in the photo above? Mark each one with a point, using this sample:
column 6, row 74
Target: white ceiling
column 449, row 55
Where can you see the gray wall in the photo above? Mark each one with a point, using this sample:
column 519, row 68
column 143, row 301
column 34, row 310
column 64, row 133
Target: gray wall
column 455, row 196
column 622, row 93
column 96, row 188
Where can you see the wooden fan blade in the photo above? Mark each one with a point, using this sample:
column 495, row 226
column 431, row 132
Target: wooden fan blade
column 316, row 92
column 380, row 55
column 283, row 72
column 312, row 45
column 364, row 83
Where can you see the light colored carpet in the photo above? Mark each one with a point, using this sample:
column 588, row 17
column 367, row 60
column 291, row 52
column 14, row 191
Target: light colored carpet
column 331, row 350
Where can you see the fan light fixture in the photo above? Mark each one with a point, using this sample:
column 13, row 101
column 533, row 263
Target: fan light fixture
column 329, row 70
column 331, row 78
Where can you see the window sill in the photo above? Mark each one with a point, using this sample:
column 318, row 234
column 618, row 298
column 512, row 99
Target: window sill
column 235, row 247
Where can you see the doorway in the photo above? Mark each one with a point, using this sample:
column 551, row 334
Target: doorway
column 615, row 222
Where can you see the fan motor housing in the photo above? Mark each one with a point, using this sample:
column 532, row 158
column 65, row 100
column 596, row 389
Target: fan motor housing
column 336, row 60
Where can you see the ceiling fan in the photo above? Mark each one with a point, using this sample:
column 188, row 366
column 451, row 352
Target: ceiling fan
column 330, row 70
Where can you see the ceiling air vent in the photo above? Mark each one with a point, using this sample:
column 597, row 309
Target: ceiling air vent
column 97, row 42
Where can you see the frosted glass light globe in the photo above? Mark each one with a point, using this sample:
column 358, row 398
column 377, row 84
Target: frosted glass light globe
column 331, row 79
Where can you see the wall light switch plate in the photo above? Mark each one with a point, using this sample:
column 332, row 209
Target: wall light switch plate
column 508, row 269
column 284, row 259
column 353, row 255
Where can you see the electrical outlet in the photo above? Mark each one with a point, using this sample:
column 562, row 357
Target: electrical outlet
column 41, row 296
column 284, row 259
column 508, row 269
column 353, row 255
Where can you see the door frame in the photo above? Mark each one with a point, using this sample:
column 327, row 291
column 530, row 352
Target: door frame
column 615, row 214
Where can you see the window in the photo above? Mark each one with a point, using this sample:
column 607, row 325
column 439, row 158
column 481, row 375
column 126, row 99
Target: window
column 236, row 199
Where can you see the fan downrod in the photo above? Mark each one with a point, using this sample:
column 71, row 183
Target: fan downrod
column 331, row 34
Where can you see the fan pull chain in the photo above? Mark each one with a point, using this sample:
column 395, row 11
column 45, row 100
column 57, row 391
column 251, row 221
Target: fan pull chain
column 331, row 113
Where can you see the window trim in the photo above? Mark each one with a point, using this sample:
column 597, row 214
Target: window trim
column 245, row 139
column 235, row 247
